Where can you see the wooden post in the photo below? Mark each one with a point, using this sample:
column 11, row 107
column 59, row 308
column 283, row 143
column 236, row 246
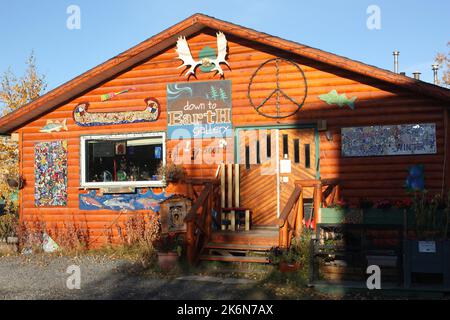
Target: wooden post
column 317, row 202
column 236, row 185
column 300, row 214
column 230, row 185
column 222, row 185
column 223, row 217
column 247, row 220
column 190, row 250
column 233, row 220
column 337, row 195
column 286, row 234
column 208, row 211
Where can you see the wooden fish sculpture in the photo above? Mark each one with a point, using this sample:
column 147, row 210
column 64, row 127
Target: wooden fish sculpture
column 52, row 126
column 84, row 118
column 341, row 100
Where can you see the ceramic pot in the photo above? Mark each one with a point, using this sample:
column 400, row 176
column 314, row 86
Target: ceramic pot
column 289, row 266
column 167, row 260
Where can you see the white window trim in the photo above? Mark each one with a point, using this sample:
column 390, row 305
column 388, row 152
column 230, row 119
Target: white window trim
column 124, row 136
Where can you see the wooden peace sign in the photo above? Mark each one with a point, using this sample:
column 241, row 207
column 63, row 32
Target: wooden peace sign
column 278, row 92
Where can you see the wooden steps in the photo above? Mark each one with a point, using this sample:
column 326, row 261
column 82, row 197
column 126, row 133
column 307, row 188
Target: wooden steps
column 247, row 259
column 241, row 246
column 257, row 237
column 237, row 247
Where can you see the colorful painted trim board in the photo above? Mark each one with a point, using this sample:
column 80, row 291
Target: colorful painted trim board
column 84, row 118
column 50, row 173
column 136, row 201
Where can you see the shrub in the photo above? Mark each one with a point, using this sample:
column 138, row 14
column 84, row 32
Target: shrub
column 8, row 225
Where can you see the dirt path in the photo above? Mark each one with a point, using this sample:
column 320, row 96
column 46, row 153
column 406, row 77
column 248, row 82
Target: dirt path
column 45, row 277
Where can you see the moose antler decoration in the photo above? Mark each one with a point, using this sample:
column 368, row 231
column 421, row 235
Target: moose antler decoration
column 184, row 53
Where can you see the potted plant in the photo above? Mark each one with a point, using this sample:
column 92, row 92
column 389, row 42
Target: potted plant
column 8, row 233
column 169, row 249
column 171, row 172
column 288, row 260
column 427, row 247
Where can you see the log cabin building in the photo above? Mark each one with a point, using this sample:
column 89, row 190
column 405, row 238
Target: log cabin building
column 261, row 126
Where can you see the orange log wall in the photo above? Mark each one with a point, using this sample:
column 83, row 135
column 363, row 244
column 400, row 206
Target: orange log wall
column 377, row 103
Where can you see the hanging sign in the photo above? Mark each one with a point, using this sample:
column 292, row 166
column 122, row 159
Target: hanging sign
column 199, row 109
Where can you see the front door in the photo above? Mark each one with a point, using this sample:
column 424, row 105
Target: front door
column 271, row 160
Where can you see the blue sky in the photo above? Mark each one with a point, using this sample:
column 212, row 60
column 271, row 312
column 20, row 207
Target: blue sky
column 418, row 29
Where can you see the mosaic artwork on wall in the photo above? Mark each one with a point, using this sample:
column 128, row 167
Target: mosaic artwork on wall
column 84, row 118
column 206, row 61
column 54, row 126
column 388, row 140
column 333, row 98
column 136, row 201
column 50, row 173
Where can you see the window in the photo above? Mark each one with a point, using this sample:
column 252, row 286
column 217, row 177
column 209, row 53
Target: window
column 307, row 156
column 258, row 147
column 296, row 150
column 285, row 146
column 122, row 160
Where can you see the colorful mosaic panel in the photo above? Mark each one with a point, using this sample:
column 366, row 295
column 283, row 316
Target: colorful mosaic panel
column 50, row 173
column 403, row 139
column 148, row 200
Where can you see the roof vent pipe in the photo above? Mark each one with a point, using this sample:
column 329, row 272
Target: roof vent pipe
column 416, row 75
column 396, row 53
column 435, row 68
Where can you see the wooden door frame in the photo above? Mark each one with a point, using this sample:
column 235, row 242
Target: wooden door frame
column 238, row 129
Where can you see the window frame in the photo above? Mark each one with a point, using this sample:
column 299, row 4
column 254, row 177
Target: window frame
column 120, row 137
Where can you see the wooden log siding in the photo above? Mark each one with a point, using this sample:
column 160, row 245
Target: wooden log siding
column 378, row 103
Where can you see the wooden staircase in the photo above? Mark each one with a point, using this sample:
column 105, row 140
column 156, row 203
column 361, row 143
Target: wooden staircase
column 241, row 246
column 205, row 244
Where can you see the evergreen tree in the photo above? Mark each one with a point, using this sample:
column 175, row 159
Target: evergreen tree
column 223, row 95
column 214, row 94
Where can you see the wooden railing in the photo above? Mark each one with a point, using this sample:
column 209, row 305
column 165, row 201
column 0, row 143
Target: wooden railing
column 199, row 219
column 290, row 222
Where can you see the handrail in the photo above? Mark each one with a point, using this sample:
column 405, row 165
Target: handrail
column 197, row 204
column 289, row 205
column 290, row 223
column 199, row 218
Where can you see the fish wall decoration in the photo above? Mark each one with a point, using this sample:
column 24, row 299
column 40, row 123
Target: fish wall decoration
column 84, row 118
column 54, row 126
column 341, row 100
column 148, row 200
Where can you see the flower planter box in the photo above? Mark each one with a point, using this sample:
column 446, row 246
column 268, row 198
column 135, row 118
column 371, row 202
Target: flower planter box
column 384, row 216
column 167, row 260
column 339, row 215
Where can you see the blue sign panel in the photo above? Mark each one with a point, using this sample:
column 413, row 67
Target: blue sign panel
column 199, row 109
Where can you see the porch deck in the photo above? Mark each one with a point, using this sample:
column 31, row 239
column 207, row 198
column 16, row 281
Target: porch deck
column 241, row 246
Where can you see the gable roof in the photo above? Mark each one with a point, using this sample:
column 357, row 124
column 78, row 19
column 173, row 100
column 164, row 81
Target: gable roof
column 189, row 26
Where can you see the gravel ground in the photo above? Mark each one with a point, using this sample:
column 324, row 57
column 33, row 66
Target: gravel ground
column 44, row 277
